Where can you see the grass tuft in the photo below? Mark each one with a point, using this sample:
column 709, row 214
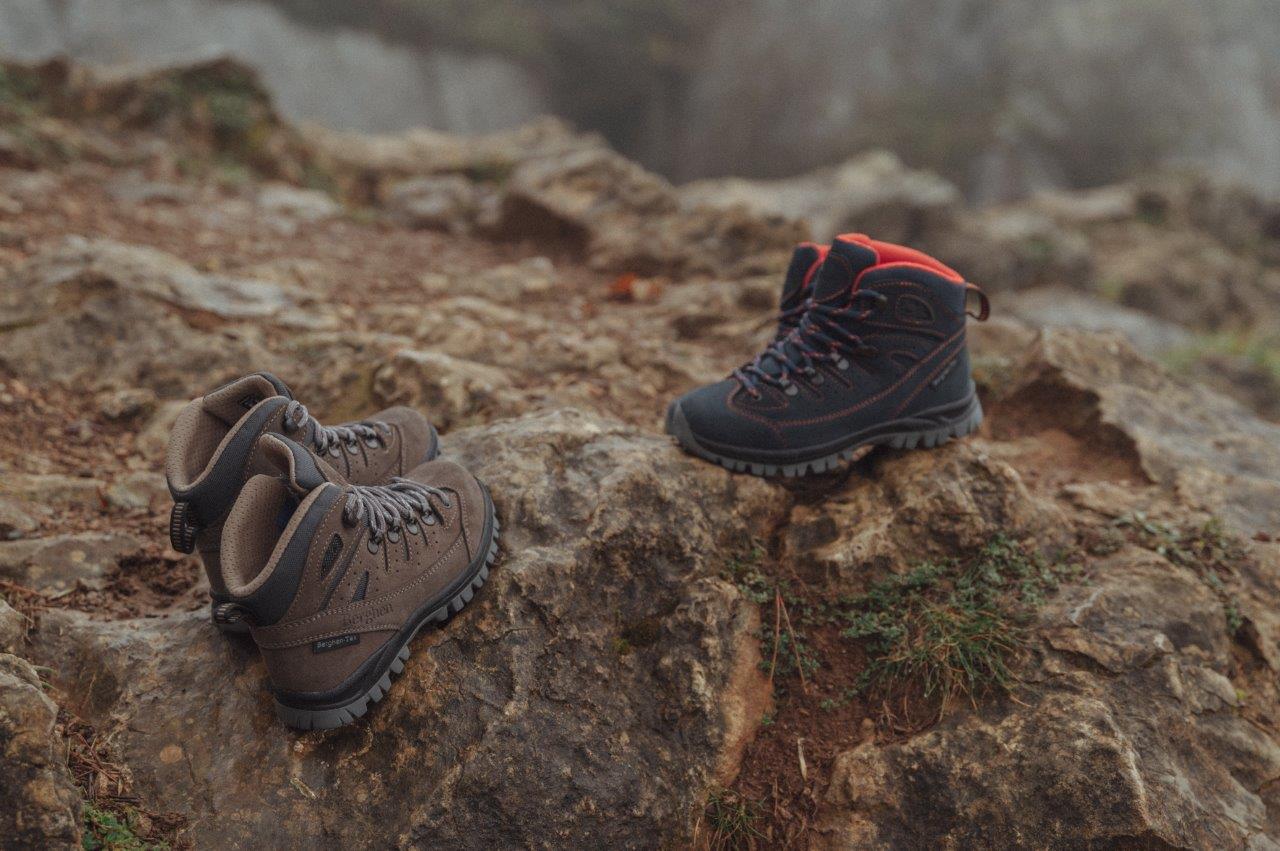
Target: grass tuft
column 784, row 650
column 730, row 821
column 951, row 628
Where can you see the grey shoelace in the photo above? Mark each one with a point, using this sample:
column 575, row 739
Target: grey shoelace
column 329, row 438
column 385, row 509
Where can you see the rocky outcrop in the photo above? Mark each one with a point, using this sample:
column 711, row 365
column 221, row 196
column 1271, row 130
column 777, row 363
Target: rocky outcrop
column 542, row 181
column 604, row 682
column 13, row 628
column 39, row 804
column 1205, row 448
column 1128, row 733
column 607, row 682
column 130, row 315
column 1132, row 723
column 63, row 562
column 916, row 507
column 872, row 193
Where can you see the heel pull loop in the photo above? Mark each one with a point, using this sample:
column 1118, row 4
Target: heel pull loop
column 183, row 528
column 984, row 304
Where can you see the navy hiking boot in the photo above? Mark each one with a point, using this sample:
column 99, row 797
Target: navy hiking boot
column 878, row 358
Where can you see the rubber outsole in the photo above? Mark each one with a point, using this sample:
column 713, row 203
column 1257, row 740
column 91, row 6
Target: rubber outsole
column 935, row 435
column 242, row 628
column 330, row 718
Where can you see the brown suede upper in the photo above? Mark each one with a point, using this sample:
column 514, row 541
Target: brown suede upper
column 213, row 437
column 348, row 589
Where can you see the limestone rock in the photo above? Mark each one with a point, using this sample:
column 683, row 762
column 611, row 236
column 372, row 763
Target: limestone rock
column 68, row 311
column 872, row 193
column 13, row 628
column 50, row 489
column 1206, row 447
column 421, row 152
column 628, row 219
column 1155, row 751
column 452, row 390
column 153, row 438
column 39, row 803
column 448, row 203
column 304, row 205
column 1060, row 307
column 127, row 403
column 60, row 562
column 16, row 520
column 135, row 188
column 1013, row 248
column 508, row 283
column 137, row 490
column 602, row 682
column 916, row 506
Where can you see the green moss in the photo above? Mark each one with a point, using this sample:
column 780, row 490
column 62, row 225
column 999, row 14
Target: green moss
column 1111, row 289
column 1258, row 349
column 105, row 830
column 21, row 92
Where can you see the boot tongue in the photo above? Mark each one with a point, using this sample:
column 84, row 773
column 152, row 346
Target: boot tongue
column 800, row 273
column 847, row 259
column 297, row 467
column 230, row 401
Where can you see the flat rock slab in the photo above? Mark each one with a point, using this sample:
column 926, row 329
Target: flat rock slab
column 61, row 562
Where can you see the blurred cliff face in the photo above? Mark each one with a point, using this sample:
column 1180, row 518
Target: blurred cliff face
column 1001, row 96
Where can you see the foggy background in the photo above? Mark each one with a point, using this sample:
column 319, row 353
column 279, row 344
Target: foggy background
column 1001, row 96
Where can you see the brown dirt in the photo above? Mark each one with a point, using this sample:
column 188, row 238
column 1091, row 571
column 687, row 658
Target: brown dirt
column 57, row 431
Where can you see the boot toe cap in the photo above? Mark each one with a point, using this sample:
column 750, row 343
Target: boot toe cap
column 708, row 418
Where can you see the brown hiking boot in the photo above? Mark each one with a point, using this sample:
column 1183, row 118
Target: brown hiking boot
column 210, row 456
column 335, row 580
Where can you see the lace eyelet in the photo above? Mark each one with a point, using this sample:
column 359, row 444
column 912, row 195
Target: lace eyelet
column 372, row 442
column 430, row 520
column 412, row 527
column 842, row 364
column 394, row 536
column 817, row 379
column 372, row 546
column 353, row 447
column 335, row 451
column 791, row 390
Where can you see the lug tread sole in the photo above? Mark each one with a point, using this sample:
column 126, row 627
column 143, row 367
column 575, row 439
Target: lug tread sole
column 929, row 438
